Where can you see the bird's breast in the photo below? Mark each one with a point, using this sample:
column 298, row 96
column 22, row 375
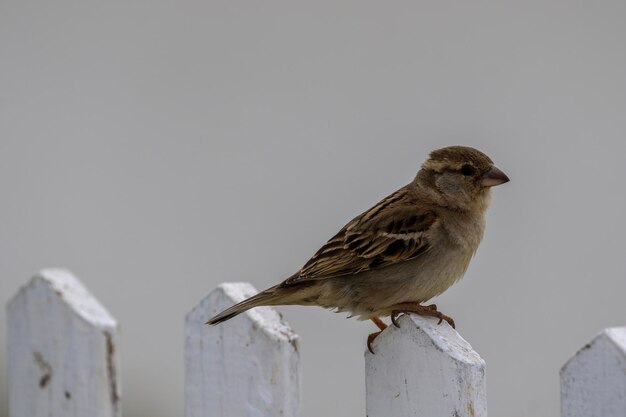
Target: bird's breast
column 465, row 231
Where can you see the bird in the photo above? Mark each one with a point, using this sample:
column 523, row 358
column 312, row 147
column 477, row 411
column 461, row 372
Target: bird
column 408, row 248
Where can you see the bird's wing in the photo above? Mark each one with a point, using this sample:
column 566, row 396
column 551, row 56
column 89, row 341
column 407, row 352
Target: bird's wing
column 393, row 231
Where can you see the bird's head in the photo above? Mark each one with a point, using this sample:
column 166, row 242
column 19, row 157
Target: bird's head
column 461, row 176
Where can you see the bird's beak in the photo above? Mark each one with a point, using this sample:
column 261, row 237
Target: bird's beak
column 494, row 177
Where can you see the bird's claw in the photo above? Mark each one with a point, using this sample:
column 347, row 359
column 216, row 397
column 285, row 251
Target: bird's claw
column 448, row 319
column 394, row 317
column 370, row 339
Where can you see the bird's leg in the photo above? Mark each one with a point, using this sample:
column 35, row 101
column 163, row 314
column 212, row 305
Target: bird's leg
column 382, row 326
column 417, row 308
column 379, row 323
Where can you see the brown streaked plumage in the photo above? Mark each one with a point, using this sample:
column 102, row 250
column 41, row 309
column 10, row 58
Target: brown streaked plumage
column 405, row 250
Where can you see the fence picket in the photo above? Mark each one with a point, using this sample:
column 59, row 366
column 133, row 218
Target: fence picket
column 61, row 353
column 423, row 369
column 248, row 366
column 593, row 381
column 62, row 361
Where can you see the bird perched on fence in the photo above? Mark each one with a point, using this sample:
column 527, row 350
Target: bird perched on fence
column 407, row 249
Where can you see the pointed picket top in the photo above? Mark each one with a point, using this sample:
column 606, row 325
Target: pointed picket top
column 268, row 320
column 73, row 293
column 593, row 381
column 246, row 366
column 62, row 351
column 424, row 369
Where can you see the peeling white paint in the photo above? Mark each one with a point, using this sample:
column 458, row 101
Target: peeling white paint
column 62, row 356
column 246, row 366
column 424, row 369
column 593, row 381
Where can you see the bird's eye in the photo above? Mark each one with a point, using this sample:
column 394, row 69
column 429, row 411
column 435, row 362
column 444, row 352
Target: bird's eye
column 468, row 170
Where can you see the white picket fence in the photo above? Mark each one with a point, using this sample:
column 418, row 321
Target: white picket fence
column 62, row 360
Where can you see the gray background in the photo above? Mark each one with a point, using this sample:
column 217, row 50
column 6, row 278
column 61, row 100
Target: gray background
column 157, row 148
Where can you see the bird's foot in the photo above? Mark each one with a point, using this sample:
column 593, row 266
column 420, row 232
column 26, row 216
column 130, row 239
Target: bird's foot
column 370, row 339
column 396, row 313
column 430, row 311
column 382, row 326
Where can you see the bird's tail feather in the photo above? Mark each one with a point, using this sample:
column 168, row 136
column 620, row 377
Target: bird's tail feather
column 264, row 298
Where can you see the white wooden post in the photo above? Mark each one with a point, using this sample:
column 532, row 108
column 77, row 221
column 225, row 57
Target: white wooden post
column 593, row 381
column 62, row 353
column 247, row 366
column 424, row 369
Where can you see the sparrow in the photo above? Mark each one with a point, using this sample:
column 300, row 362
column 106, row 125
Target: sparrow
column 408, row 248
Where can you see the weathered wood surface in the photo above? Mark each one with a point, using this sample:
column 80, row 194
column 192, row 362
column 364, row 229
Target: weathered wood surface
column 61, row 351
column 247, row 366
column 424, row 369
column 593, row 381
